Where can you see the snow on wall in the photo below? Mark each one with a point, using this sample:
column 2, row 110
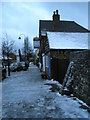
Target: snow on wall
column 63, row 40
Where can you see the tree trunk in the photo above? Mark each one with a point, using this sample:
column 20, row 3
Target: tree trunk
column 20, row 55
column 8, row 71
column 8, row 65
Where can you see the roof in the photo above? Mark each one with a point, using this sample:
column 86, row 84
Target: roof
column 64, row 40
column 43, row 33
column 65, row 26
column 5, row 57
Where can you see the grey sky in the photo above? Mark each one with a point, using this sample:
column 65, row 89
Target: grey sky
column 18, row 18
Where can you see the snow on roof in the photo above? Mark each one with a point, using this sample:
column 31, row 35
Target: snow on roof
column 63, row 40
column 5, row 57
column 43, row 33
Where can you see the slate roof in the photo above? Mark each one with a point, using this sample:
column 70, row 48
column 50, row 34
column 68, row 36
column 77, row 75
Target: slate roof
column 65, row 26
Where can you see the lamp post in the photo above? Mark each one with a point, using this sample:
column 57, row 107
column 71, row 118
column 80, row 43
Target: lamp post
column 25, row 45
column 20, row 58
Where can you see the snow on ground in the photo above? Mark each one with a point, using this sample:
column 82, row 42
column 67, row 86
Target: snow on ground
column 26, row 95
column 71, row 106
column 54, row 82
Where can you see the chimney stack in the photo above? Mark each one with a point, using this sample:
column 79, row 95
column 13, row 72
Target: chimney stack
column 56, row 16
column 56, row 21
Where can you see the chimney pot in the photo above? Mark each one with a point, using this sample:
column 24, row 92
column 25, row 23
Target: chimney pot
column 57, row 12
column 54, row 13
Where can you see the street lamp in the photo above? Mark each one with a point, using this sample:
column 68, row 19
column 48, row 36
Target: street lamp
column 21, row 35
column 19, row 38
column 25, row 45
column 19, row 49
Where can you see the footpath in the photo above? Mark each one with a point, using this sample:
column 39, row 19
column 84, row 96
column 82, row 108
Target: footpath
column 26, row 95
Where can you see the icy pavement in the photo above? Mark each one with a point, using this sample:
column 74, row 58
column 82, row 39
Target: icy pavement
column 26, row 95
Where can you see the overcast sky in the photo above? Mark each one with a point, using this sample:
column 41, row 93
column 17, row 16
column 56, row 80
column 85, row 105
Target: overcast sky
column 23, row 18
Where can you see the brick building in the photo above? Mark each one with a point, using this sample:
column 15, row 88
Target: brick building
column 56, row 25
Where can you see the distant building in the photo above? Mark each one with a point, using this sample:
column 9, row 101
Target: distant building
column 36, row 46
column 36, row 42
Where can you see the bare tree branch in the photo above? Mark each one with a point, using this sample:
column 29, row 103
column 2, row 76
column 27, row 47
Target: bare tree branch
column 7, row 45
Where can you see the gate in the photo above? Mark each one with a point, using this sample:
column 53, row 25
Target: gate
column 59, row 68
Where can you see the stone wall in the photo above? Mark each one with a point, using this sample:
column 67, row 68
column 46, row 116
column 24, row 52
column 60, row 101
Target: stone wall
column 0, row 71
column 81, row 82
column 60, row 54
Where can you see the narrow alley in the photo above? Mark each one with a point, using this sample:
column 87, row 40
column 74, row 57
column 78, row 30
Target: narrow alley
column 26, row 95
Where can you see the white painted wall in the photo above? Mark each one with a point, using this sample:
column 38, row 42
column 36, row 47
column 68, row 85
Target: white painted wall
column 43, row 56
column 18, row 59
